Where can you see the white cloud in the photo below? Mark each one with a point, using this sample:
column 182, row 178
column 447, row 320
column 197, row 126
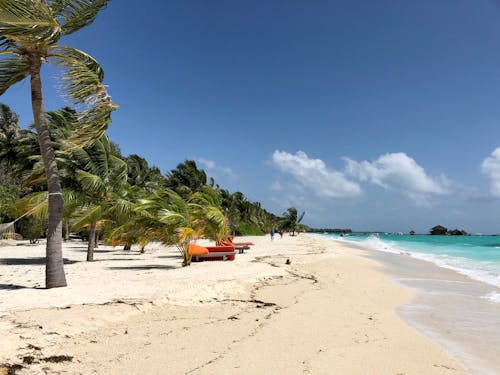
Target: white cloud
column 212, row 165
column 276, row 186
column 314, row 174
column 399, row 172
column 491, row 168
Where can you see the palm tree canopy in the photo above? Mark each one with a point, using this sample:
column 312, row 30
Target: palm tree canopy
column 29, row 31
column 291, row 218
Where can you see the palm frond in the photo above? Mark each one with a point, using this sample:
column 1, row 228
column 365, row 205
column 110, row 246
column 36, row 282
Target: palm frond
column 171, row 218
column 121, row 208
column 86, row 216
column 91, row 183
column 83, row 76
column 83, row 81
column 119, row 170
column 94, row 123
column 35, row 203
column 13, row 69
column 28, row 22
column 76, row 14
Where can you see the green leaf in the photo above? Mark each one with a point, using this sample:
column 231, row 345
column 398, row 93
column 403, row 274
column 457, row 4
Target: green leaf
column 91, row 184
column 28, row 22
column 83, row 82
column 76, row 14
column 13, row 69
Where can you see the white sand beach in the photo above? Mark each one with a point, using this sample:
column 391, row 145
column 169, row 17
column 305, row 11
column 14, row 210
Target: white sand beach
column 331, row 311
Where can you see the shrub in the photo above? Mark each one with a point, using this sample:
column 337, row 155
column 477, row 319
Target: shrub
column 248, row 229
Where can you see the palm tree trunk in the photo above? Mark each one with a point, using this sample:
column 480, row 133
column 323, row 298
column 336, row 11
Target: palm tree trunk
column 96, row 240
column 66, row 233
column 54, row 269
column 91, row 246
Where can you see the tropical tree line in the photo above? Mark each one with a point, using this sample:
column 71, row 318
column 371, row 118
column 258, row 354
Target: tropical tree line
column 121, row 200
column 66, row 172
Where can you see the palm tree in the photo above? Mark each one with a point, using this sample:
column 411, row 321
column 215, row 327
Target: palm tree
column 176, row 221
column 186, row 178
column 29, row 33
column 9, row 136
column 102, row 176
column 291, row 219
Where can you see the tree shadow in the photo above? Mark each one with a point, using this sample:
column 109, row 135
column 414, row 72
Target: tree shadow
column 77, row 248
column 96, row 251
column 146, row 267
column 30, row 261
column 13, row 287
column 169, row 256
column 114, row 259
column 128, row 253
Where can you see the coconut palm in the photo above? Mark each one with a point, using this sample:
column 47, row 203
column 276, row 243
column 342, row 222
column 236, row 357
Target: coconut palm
column 29, row 34
column 103, row 177
column 186, row 178
column 9, row 135
column 132, row 227
column 176, row 221
column 291, row 219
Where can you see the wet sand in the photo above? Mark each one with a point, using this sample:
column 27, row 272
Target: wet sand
column 449, row 307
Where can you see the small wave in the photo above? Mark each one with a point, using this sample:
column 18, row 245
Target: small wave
column 492, row 296
column 486, row 272
column 375, row 243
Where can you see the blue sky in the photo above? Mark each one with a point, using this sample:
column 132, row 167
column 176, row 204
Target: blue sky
column 369, row 115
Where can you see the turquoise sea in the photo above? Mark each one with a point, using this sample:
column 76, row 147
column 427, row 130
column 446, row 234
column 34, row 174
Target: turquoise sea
column 475, row 256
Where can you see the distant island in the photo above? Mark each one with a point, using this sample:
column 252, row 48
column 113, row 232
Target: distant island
column 439, row 230
column 329, row 230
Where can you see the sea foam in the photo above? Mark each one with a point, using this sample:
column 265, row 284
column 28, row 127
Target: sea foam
column 493, row 296
column 485, row 271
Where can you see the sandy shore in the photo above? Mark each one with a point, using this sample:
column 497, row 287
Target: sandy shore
column 331, row 311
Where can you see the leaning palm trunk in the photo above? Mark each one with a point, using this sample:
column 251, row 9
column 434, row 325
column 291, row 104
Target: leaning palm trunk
column 91, row 245
column 184, row 250
column 54, row 271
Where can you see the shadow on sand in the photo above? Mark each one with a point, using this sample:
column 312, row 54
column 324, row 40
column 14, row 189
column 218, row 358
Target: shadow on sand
column 13, row 287
column 30, row 261
column 146, row 267
column 84, row 249
column 175, row 256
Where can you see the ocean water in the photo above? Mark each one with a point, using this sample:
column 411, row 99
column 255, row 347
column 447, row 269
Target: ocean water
column 457, row 284
column 477, row 257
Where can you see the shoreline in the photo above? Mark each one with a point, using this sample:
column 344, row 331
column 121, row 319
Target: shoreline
column 268, row 317
column 449, row 307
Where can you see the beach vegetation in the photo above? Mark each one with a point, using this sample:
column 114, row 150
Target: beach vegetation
column 30, row 31
column 291, row 220
column 248, row 229
column 174, row 220
column 122, row 200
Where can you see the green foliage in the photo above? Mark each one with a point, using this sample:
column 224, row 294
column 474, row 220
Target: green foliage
column 32, row 228
column 8, row 196
column 291, row 219
column 124, row 196
column 174, row 220
column 248, row 229
column 29, row 33
column 186, row 178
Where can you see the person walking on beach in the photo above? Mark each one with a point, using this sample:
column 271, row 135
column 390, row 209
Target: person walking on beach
column 272, row 234
column 281, row 233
